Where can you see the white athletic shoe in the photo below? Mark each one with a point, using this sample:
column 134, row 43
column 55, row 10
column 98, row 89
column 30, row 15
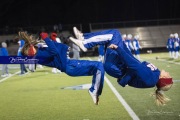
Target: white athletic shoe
column 94, row 97
column 39, row 66
column 78, row 34
column 58, row 71
column 8, row 74
column 78, row 43
column 3, row 75
column 54, row 70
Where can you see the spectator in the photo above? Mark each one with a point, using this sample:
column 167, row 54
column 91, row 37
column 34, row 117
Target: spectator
column 176, row 45
column 101, row 51
column 75, row 50
column 32, row 66
column 170, row 45
column 22, row 66
column 54, row 38
column 128, row 43
column 136, row 46
column 4, row 52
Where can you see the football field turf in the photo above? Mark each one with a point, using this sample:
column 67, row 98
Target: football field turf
column 43, row 95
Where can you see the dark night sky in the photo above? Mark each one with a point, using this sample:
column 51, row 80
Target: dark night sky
column 40, row 12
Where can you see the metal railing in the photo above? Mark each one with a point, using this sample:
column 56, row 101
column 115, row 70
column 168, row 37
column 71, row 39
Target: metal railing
column 36, row 29
column 139, row 23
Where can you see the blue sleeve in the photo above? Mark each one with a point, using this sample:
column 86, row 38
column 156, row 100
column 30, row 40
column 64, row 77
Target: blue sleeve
column 7, row 53
column 51, row 46
column 124, row 81
column 0, row 52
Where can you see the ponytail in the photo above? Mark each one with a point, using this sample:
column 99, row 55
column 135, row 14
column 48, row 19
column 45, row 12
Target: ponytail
column 160, row 98
column 28, row 42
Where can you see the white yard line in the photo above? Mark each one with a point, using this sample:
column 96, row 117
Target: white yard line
column 9, row 77
column 11, row 67
column 176, row 80
column 121, row 99
column 163, row 60
column 169, row 61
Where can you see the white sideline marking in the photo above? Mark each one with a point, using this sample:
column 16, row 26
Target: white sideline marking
column 176, row 80
column 169, row 61
column 9, row 77
column 121, row 99
column 159, row 59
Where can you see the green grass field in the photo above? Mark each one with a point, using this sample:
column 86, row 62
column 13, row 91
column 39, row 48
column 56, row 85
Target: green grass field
column 39, row 96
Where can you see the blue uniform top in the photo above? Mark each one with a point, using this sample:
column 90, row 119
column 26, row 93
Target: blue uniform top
column 3, row 52
column 121, row 63
column 21, row 42
column 55, row 55
column 176, row 44
column 138, row 75
column 128, row 44
column 137, row 46
column 170, row 43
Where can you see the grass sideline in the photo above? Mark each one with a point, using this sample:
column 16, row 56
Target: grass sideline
column 39, row 96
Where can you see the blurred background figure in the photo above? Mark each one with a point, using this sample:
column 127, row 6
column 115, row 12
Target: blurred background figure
column 176, row 45
column 32, row 67
column 101, row 51
column 124, row 37
column 4, row 52
column 136, row 46
column 76, row 51
column 22, row 66
column 170, row 45
column 58, row 40
column 55, row 38
column 128, row 42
